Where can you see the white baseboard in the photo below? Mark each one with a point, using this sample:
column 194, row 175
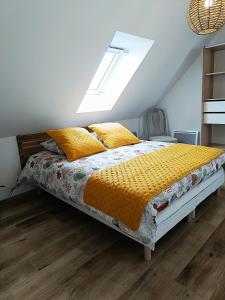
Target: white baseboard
column 6, row 194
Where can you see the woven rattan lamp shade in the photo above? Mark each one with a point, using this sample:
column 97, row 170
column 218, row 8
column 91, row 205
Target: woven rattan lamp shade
column 206, row 16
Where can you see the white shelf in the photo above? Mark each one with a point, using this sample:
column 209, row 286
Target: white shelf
column 215, row 73
column 214, row 99
column 217, row 47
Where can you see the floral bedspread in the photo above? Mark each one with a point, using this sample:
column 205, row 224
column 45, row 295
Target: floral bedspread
column 67, row 180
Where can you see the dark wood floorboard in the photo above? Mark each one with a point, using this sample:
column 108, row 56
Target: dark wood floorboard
column 49, row 250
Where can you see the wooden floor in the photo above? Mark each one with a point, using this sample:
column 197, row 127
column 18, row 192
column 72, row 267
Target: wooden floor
column 49, row 250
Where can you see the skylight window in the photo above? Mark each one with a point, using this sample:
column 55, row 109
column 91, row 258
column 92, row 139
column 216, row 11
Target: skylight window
column 106, row 66
column 120, row 62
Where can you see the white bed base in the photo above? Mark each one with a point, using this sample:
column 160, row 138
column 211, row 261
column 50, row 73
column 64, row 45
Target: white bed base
column 173, row 214
column 187, row 204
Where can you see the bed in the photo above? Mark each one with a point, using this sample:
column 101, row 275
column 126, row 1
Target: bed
column 66, row 181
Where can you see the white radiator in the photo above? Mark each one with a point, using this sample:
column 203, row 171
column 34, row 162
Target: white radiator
column 187, row 137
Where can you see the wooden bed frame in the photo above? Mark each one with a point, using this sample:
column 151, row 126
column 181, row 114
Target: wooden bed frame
column 29, row 144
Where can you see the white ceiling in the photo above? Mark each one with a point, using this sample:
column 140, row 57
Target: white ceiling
column 50, row 50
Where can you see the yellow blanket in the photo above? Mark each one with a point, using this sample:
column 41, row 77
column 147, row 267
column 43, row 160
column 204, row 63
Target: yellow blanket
column 123, row 191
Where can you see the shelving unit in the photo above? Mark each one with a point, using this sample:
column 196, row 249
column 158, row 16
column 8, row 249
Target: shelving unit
column 213, row 97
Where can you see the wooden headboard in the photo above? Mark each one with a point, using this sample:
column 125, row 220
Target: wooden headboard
column 29, row 144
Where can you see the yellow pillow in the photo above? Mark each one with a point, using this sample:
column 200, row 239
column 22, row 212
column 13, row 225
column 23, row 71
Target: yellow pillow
column 114, row 134
column 76, row 142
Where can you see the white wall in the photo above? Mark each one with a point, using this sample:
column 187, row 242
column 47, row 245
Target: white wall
column 10, row 163
column 132, row 124
column 9, row 167
column 50, row 50
column 183, row 102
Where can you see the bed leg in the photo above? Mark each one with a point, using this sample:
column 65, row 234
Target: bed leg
column 218, row 192
column 191, row 216
column 147, row 253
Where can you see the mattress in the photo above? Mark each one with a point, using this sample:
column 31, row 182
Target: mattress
column 67, row 181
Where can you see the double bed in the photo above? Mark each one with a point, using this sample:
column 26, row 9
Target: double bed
column 67, row 180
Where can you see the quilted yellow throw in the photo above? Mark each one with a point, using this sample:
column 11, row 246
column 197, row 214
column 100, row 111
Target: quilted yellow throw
column 123, row 191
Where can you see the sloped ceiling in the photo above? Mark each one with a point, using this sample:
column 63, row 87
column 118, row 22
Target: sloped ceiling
column 50, row 50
